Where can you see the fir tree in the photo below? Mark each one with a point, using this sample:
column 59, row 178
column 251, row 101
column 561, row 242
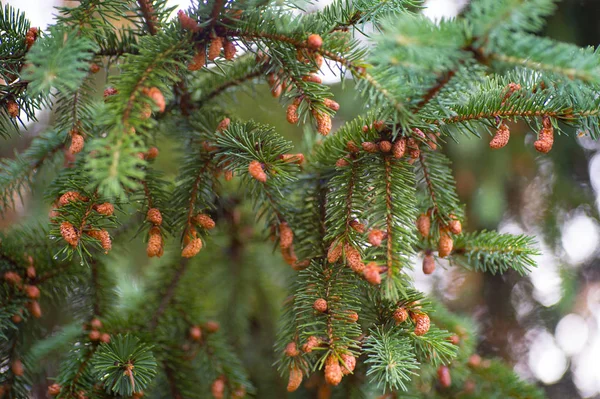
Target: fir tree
column 348, row 215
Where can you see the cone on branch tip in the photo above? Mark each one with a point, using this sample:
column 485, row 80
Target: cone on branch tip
column 357, row 226
column 376, row 236
column 12, row 278
column 352, row 147
column 329, row 103
column 218, row 388
column 17, row 368
column 335, row 252
column 157, row 97
column 400, row 315
column 154, row 216
column 292, row 114
column 291, row 349
column 428, row 264
column 545, row 139
column 204, row 221
column 445, row 245
column 67, row 231
column 151, row 154
column 311, row 343
column 192, row 248
column 422, row 323
column 214, row 49
column 323, row 122
column 399, row 148
column 106, row 209
column 333, row 371
column 32, row 291
column 444, row 378
column 455, row 226
column 229, row 50
column 348, row 364
column 501, row 137
column 187, row 22
column 295, row 379
column 223, row 125
column 54, row 390
column 255, row 170
column 77, row 142
column 35, row 309
column 320, row 305
column 385, row 146
column 198, row 60
column 370, row 147
column 371, row 273
column 286, row 235
column 354, row 259
column 314, row 41
column 424, row 225
column 195, row 333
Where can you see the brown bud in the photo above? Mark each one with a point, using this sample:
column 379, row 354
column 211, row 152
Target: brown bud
column 32, row 291
column 154, row 216
column 424, row 225
column 455, row 226
column 212, row 326
column 445, row 245
column 354, row 259
column 443, row 373
column 31, row 272
column 357, row 226
column 422, row 323
column 105, row 338
column 198, row 61
column 70, row 196
column 546, row 137
column 352, row 316
column 314, row 41
column 94, row 68
column 13, row 278
column 320, row 305
column 312, row 78
column 103, row 237
column 195, row 333
column 255, row 170
column 428, row 264
column 77, row 142
column 385, row 146
column 352, row 147
column 229, row 50
column 94, row 335
column 159, row 99
column 310, row 344
column 204, row 221
column 342, row 162
column 371, row 273
column 223, row 125
column 286, row 235
column 218, row 388
column 454, row 339
column 69, row 234
column 106, row 209
column 16, row 318
column 192, row 248
column 295, row 379
column 54, row 390
column 155, row 244
column 323, row 123
column 399, row 148
column 329, row 103
column 293, row 158
column 228, row 175
column 96, row 324
column 35, row 309
column 110, row 91
column 151, row 154
column 334, row 253
column 474, row 360
column 187, row 23
column 333, row 371
column 400, row 315
column 349, row 363
column 376, row 236
column 370, row 147
column 291, row 350
column 17, row 368
column 216, row 44
column 501, row 137
column 30, row 37
column 379, row 125
column 292, row 114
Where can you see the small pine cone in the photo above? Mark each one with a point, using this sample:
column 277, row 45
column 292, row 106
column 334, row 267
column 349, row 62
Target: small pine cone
column 454, row 339
column 371, row 273
column 399, row 148
column 312, row 78
column 154, row 216
column 70, row 196
column 289, row 256
column 103, row 237
column 333, row 371
column 228, row 175
column 13, row 278
column 286, row 235
column 310, row 344
column 445, row 245
column 474, row 360
column 379, row 125
column 342, row 162
column 292, row 114
column 223, row 125
column 192, row 248
column 106, row 209
column 293, row 158
column 424, row 225
column 94, row 68
column 69, row 234
column 212, row 326
column 323, row 123
column 195, row 333
column 400, row 315
column 17, row 368
column 159, row 99
column 422, row 323
column 54, row 390
column 354, row 259
column 443, row 373
column 291, row 350
column 349, row 363
column 352, row 147
column 30, row 37
column 32, row 291
column 105, row 338
column 204, row 221
column 352, row 316
column 428, row 264
column 35, row 309
column 218, row 388
column 432, row 142
column 187, row 23
column 370, row 147
column 329, row 103
column 334, row 253
column 413, row 148
column 501, row 137
column 110, row 91
column 358, row 226
column 31, row 272
column 546, row 137
column 77, row 142
column 455, row 226
column 295, row 379
column 94, row 335
column 376, row 236
column 151, row 154
column 366, row 128
column 155, row 244
column 256, row 171
column 314, row 41
column 96, row 324
column 216, row 44
column 385, row 146
column 229, row 50
column 16, row 318
column 198, row 61
column 320, row 305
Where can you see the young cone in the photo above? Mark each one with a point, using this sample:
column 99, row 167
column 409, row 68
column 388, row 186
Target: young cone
column 333, row 371
column 192, row 248
column 501, row 137
column 295, row 379
column 445, row 245
column 424, row 225
column 428, row 264
column 255, row 170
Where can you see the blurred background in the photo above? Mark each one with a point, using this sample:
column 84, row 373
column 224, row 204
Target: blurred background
column 547, row 324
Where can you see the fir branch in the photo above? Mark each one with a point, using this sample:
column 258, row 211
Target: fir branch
column 167, row 298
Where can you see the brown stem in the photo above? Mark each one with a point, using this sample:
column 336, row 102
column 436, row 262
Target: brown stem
column 149, row 17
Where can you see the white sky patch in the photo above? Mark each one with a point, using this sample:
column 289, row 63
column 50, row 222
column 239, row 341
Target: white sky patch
column 438, row 9
column 546, row 360
column 580, row 235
